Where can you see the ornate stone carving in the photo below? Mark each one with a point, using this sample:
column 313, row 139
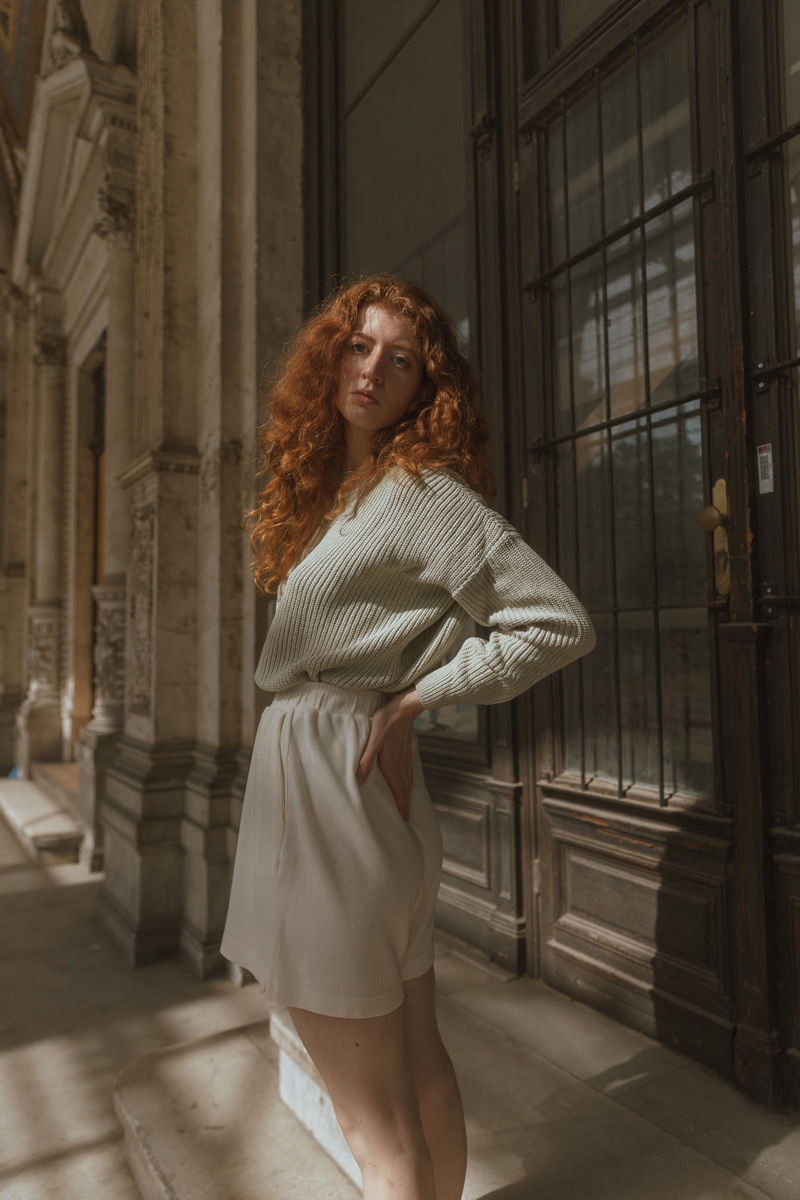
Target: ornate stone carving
column 15, row 302
column 114, row 214
column 141, row 611
column 109, row 657
column 43, row 649
column 70, row 36
column 51, row 349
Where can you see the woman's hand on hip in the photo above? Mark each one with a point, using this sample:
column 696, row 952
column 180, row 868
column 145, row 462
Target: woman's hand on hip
column 390, row 742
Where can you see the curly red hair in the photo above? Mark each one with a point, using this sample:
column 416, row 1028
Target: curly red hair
column 303, row 439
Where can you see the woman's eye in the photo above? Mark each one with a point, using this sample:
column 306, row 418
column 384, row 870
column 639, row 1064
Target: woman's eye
column 401, row 361
column 359, row 347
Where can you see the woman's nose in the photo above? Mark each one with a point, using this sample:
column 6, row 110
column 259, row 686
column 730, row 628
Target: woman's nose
column 372, row 366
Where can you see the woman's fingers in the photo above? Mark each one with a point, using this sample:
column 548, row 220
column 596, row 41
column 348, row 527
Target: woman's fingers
column 390, row 743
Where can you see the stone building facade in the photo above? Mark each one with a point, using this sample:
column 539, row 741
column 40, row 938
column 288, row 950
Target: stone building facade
column 601, row 198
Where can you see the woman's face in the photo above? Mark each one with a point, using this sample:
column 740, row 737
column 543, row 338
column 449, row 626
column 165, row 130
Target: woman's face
column 381, row 372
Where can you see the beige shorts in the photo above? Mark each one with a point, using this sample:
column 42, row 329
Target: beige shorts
column 333, row 893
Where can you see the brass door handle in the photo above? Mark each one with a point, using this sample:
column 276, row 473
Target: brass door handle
column 710, row 518
column 713, row 519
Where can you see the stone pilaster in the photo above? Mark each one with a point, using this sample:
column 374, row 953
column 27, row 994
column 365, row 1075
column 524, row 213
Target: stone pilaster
column 114, row 222
column 144, row 786
column 14, row 504
column 38, row 722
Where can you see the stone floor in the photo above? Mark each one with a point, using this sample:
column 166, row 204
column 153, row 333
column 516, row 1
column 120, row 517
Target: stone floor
column 561, row 1102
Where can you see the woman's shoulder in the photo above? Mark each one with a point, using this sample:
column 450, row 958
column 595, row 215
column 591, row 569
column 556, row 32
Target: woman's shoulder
column 439, row 484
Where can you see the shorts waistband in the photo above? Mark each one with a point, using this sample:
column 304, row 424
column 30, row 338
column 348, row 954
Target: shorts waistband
column 330, row 696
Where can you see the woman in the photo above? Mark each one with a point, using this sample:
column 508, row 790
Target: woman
column 374, row 524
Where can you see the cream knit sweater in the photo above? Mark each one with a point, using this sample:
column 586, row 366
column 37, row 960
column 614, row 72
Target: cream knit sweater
column 385, row 589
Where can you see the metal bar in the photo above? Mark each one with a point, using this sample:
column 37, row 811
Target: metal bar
column 693, row 604
column 607, row 389
column 575, row 509
column 771, row 144
column 705, row 394
column 765, row 370
column 651, row 465
column 692, row 189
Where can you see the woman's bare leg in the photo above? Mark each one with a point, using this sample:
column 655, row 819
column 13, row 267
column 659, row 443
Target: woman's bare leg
column 366, row 1070
column 436, row 1086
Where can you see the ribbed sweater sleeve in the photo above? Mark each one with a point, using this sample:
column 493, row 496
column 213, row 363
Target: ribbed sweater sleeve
column 537, row 625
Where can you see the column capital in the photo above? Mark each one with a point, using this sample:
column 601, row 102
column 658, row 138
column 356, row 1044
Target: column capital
column 16, row 302
column 114, row 214
column 51, row 350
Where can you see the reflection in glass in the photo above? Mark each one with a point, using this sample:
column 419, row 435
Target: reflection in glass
column 672, row 304
column 596, row 562
column 632, row 514
column 791, row 61
column 583, row 173
column 625, row 326
column 555, row 176
column 599, row 703
column 638, row 703
column 561, row 353
column 588, row 342
column 620, row 147
column 625, row 337
column 686, row 700
column 678, row 470
column 666, row 138
column 575, row 15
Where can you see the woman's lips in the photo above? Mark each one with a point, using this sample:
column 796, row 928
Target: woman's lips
column 364, row 398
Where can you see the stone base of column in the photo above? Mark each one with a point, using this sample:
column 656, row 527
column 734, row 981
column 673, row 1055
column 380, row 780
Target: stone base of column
column 140, row 900
column 37, row 732
column 207, row 864
column 95, row 752
column 9, row 707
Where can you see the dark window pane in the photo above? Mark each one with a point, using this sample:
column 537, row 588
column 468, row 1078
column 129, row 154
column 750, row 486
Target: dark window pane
column 403, row 166
column 792, row 165
column 575, row 15
column 672, row 304
column 678, row 470
column 637, row 675
column 633, row 514
column 686, row 699
column 596, row 563
column 571, row 701
column 599, row 703
column 583, row 173
column 561, row 356
column 368, row 34
column 555, row 174
column 666, row 141
column 791, row 61
column 588, row 342
column 625, row 326
column 620, row 147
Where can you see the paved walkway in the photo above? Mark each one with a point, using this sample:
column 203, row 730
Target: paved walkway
column 562, row 1103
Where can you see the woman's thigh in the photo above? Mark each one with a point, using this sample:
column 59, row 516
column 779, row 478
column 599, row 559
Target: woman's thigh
column 365, row 1067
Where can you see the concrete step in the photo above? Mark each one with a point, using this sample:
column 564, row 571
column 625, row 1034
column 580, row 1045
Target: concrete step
column 203, row 1120
column 59, row 780
column 560, row 1101
column 47, row 833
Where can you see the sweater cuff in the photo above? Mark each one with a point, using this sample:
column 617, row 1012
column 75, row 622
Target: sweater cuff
column 434, row 689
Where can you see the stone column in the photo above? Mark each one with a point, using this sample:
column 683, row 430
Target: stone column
column 38, row 724
column 98, row 739
column 145, row 785
column 14, row 502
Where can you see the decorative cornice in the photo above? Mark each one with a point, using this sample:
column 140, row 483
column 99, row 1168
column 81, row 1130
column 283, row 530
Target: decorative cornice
column 156, row 462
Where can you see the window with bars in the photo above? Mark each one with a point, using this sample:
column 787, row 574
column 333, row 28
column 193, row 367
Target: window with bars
column 626, row 428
